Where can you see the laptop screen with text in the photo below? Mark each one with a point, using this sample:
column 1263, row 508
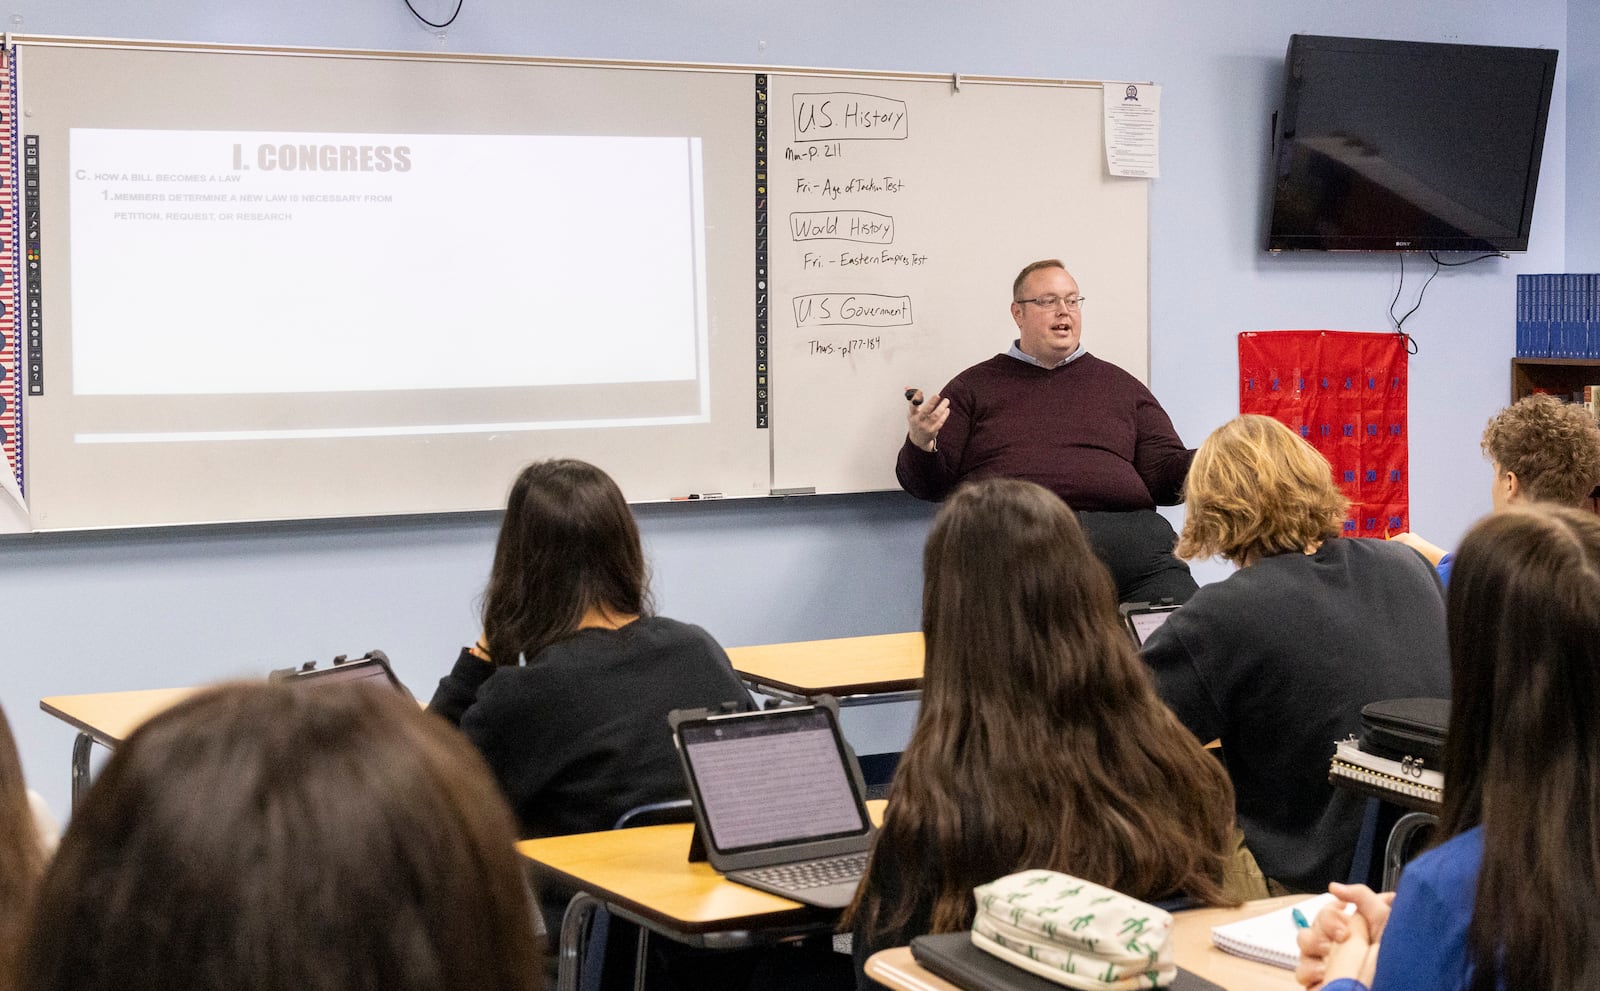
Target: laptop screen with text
column 772, row 778
column 1144, row 619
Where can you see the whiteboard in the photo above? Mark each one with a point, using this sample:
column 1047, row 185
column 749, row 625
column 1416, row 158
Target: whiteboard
column 903, row 211
column 628, row 263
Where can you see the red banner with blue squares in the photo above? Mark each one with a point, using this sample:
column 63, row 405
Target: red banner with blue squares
column 1345, row 393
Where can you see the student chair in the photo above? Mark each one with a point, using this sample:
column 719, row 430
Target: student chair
column 1390, row 836
column 593, row 923
column 1410, row 833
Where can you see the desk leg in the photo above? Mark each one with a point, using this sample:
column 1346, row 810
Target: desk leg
column 641, row 959
column 80, row 768
column 574, row 921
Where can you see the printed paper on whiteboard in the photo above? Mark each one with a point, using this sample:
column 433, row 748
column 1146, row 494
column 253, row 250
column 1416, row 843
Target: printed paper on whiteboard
column 1133, row 129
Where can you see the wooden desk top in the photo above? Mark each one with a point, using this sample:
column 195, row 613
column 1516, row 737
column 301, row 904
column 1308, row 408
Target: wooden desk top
column 889, row 662
column 647, row 871
column 109, row 717
column 896, row 969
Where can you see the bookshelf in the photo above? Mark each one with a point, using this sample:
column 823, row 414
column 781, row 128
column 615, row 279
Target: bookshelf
column 1562, row 376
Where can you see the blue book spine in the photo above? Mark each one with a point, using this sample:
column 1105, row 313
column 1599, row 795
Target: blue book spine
column 1558, row 341
column 1569, row 315
column 1534, row 287
column 1548, row 301
column 1557, row 344
column 1580, row 313
column 1522, row 316
column 1521, row 339
column 1541, row 320
column 1558, row 285
column 1580, row 323
column 1559, row 311
column 1591, row 330
column 1564, row 312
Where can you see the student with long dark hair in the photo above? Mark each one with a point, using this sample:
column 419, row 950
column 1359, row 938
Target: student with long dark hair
column 1040, row 742
column 567, row 692
column 1506, row 899
column 275, row 838
column 22, row 855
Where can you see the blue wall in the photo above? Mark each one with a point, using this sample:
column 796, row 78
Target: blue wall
column 104, row 611
column 1582, row 55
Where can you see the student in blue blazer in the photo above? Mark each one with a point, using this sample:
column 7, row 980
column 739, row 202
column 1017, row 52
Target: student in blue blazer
column 1506, row 899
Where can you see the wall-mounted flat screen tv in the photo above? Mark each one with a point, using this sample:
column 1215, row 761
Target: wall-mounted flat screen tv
column 1408, row 146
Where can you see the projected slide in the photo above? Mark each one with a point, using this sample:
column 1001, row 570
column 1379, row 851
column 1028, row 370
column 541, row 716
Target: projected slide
column 416, row 283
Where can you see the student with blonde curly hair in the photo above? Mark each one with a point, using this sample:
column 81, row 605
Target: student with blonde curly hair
column 1278, row 659
column 1542, row 450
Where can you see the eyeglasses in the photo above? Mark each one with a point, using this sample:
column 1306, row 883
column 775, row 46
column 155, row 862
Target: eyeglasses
column 1052, row 301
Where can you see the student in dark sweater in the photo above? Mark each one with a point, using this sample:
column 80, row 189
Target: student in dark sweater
column 567, row 692
column 1278, row 659
column 1051, row 413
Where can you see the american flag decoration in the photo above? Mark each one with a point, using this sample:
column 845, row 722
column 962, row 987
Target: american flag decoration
column 11, row 371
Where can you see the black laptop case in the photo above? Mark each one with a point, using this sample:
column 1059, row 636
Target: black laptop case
column 1402, row 728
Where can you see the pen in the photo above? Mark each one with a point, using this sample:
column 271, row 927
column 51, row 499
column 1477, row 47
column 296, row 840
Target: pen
column 1300, row 919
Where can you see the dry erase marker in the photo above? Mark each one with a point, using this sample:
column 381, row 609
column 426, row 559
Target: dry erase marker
column 913, row 398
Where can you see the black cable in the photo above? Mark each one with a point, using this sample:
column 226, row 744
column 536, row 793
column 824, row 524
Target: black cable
column 1411, row 342
column 431, row 24
column 1397, row 290
column 1399, row 323
column 1469, row 261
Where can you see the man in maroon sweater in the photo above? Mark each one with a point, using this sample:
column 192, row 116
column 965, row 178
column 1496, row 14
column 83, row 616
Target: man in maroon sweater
column 1049, row 412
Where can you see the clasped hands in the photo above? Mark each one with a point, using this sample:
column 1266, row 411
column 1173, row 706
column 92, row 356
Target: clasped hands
column 1341, row 942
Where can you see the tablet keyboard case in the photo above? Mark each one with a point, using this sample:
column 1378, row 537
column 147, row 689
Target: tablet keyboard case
column 953, row 957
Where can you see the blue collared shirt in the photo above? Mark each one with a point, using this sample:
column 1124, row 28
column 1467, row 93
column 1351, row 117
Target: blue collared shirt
column 1021, row 355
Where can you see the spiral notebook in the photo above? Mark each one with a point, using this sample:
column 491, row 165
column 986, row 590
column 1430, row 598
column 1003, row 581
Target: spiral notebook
column 1402, row 777
column 1269, row 938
